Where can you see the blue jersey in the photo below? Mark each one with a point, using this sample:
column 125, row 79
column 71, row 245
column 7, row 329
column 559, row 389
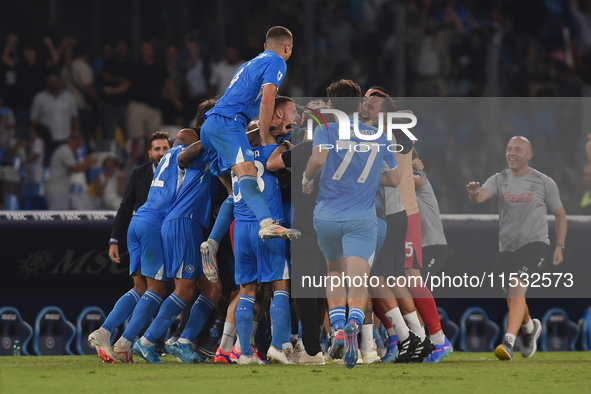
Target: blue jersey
column 195, row 196
column 268, row 184
column 163, row 189
column 243, row 95
column 351, row 174
column 381, row 203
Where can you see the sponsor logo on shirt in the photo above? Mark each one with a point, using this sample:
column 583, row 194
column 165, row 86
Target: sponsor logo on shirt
column 279, row 75
column 522, row 197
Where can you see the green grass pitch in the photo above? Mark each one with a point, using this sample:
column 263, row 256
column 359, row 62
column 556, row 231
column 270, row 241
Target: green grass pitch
column 460, row 372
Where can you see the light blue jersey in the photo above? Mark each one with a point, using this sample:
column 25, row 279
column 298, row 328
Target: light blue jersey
column 199, row 188
column 268, row 184
column 163, row 189
column 351, row 175
column 243, row 95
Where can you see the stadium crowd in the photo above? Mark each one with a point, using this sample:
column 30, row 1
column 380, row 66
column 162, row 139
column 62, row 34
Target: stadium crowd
column 542, row 50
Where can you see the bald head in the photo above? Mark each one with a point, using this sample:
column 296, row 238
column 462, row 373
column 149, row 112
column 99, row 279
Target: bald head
column 518, row 155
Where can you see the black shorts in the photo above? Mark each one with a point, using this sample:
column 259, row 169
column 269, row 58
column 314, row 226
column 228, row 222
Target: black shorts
column 390, row 261
column 434, row 257
column 529, row 259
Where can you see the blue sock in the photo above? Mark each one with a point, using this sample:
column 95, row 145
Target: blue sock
column 287, row 337
column 169, row 310
column 337, row 317
column 143, row 312
column 121, row 310
column 244, row 322
column 357, row 316
column 253, row 197
column 281, row 319
column 300, row 330
column 223, row 220
column 198, row 317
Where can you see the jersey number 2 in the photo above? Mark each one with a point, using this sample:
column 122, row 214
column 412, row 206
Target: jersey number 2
column 157, row 182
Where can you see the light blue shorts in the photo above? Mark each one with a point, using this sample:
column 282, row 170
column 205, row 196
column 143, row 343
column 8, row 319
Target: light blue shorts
column 146, row 251
column 258, row 260
column 226, row 142
column 347, row 238
column 182, row 239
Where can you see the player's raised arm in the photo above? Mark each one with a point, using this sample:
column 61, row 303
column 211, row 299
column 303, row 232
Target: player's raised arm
column 561, row 226
column 266, row 112
column 390, row 178
column 476, row 193
column 315, row 165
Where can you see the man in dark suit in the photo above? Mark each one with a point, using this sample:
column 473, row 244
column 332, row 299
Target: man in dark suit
column 135, row 196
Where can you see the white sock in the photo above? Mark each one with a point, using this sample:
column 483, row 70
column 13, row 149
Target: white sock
column 105, row 332
column 184, row 340
column 124, row 343
column 510, row 338
column 528, row 327
column 367, row 342
column 237, row 345
column 398, row 323
column 288, row 345
column 391, row 332
column 228, row 337
column 438, row 338
column 255, row 324
column 146, row 343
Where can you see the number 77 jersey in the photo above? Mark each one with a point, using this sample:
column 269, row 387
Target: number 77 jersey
column 351, row 174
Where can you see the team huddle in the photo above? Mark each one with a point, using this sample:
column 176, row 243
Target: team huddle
column 357, row 209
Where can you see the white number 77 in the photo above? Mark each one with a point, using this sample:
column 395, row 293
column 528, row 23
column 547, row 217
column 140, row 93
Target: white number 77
column 350, row 147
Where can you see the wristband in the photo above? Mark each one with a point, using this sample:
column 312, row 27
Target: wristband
column 286, row 144
column 561, row 246
column 305, row 181
column 113, row 241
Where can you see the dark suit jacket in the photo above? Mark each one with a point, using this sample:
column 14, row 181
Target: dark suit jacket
column 135, row 196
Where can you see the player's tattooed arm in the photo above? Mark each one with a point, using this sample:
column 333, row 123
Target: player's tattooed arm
column 189, row 154
column 275, row 161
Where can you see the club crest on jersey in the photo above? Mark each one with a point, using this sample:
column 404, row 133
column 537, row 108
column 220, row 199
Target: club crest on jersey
column 279, row 75
column 249, row 152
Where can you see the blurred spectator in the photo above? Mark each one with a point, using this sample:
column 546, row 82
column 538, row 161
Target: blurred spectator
column 25, row 77
column 62, row 165
column 145, row 107
column 40, row 140
column 98, row 63
column 457, row 17
column 583, row 22
column 170, row 113
column 55, row 108
column 223, row 71
column 108, row 185
column 6, row 128
column 78, row 78
column 116, row 81
column 198, row 71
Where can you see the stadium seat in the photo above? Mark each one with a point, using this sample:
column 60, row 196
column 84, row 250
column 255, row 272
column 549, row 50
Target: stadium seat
column 559, row 333
column 477, row 332
column 12, row 328
column 53, row 333
column 89, row 320
column 450, row 329
column 33, row 197
column 584, row 324
column 518, row 338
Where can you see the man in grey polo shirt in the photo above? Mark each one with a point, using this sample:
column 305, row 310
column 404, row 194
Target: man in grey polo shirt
column 524, row 196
